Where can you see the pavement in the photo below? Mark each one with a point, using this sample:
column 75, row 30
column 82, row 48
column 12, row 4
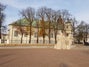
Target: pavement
column 43, row 57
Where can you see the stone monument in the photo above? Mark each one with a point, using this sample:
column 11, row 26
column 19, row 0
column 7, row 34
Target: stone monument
column 63, row 42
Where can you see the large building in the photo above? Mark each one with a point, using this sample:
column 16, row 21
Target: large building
column 19, row 32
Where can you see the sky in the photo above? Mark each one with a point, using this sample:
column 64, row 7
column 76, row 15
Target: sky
column 78, row 8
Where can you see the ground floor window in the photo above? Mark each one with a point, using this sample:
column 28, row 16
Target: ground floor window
column 51, row 35
column 35, row 34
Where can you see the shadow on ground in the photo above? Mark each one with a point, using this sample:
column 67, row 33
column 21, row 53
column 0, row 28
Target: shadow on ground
column 63, row 65
column 86, row 43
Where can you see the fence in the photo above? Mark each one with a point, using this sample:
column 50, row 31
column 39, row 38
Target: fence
column 32, row 42
column 3, row 41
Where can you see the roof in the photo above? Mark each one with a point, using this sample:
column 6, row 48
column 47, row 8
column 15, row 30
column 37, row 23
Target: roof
column 24, row 22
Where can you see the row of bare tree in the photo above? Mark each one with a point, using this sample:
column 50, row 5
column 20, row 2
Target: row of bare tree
column 43, row 14
column 2, row 16
column 80, row 31
column 57, row 18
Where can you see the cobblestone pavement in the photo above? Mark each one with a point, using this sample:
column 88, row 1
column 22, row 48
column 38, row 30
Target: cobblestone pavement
column 43, row 57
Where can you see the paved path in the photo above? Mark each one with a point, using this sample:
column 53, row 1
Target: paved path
column 43, row 57
column 81, row 47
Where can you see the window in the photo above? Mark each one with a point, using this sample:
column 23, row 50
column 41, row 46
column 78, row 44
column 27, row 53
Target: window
column 25, row 35
column 67, row 27
column 35, row 34
column 51, row 35
column 16, row 33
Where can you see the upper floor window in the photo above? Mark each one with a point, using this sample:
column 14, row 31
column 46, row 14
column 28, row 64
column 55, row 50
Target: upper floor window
column 16, row 33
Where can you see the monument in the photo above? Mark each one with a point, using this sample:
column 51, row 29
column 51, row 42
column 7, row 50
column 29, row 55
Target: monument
column 63, row 41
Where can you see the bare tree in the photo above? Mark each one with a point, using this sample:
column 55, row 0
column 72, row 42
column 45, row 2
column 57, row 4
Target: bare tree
column 59, row 18
column 86, row 31
column 74, row 26
column 41, row 15
column 29, row 15
column 21, row 30
column 37, row 31
column 65, row 15
column 48, row 13
column 2, row 16
column 54, row 21
column 82, row 31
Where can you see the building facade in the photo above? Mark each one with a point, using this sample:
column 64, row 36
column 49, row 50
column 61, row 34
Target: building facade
column 19, row 34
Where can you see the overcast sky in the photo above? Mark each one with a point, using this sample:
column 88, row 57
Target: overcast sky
column 78, row 8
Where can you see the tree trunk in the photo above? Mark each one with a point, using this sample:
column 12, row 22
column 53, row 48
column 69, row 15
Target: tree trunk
column 43, row 28
column 37, row 38
column 55, row 36
column 12, row 36
column 0, row 29
column 37, row 32
column 0, row 34
column 30, row 34
column 49, row 32
column 86, row 37
column 22, row 38
column 43, row 38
